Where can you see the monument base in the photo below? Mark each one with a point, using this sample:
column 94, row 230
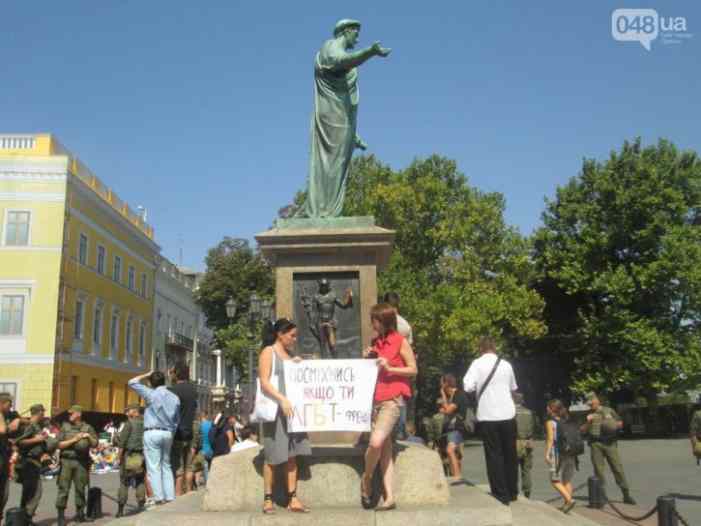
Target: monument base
column 329, row 478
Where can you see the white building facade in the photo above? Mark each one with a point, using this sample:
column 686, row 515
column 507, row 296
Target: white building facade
column 180, row 332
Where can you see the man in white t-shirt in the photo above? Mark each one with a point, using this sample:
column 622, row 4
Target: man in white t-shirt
column 404, row 329
column 496, row 414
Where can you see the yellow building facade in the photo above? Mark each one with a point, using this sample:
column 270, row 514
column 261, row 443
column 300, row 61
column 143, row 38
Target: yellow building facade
column 77, row 275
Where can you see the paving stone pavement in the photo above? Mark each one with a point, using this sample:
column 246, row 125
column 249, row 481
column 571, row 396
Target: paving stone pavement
column 653, row 468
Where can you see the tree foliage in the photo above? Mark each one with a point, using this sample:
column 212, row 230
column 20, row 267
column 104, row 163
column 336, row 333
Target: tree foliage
column 619, row 255
column 460, row 270
column 235, row 270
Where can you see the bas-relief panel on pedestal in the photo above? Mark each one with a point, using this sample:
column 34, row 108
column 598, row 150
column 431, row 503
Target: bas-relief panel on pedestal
column 326, row 310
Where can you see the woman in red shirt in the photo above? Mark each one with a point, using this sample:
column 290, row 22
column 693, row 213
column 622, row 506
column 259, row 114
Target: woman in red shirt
column 397, row 365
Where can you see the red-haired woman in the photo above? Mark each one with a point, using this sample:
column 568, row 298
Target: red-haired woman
column 397, row 365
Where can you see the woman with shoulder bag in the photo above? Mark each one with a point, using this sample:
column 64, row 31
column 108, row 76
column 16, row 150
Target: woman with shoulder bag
column 279, row 445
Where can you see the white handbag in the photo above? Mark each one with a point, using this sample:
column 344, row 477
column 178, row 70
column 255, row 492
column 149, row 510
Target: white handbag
column 265, row 408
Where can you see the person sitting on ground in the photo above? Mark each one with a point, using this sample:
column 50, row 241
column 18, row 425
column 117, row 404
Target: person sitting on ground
column 561, row 465
column 454, row 405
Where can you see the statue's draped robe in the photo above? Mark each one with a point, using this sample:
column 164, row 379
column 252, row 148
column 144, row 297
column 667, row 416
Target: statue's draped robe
column 333, row 129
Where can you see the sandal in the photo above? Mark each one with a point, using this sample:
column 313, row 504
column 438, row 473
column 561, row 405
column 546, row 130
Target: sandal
column 365, row 500
column 268, row 504
column 296, row 509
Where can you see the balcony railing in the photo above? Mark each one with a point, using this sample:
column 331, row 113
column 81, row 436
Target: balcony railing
column 180, row 340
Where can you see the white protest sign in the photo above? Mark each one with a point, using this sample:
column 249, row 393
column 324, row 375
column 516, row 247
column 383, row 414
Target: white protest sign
column 330, row 395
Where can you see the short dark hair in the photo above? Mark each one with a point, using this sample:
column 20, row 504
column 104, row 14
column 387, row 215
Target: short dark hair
column 386, row 315
column 487, row 344
column 392, row 298
column 157, row 379
column 182, row 371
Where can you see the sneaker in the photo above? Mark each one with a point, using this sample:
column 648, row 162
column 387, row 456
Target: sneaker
column 150, row 503
column 567, row 508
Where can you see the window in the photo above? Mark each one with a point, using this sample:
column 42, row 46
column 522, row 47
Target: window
column 132, row 278
column 101, row 259
column 17, row 228
column 117, row 269
column 144, row 292
column 83, row 250
column 74, row 390
column 93, row 394
column 97, row 327
column 110, row 399
column 127, row 352
column 11, row 315
column 114, row 336
column 142, row 343
column 78, row 320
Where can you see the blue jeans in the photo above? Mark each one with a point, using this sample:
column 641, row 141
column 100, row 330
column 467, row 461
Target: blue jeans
column 157, row 445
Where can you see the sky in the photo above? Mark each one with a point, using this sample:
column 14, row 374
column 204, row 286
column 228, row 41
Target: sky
column 199, row 111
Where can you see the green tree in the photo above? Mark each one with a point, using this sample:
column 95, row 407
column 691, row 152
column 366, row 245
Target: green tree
column 460, row 270
column 235, row 270
column 619, row 255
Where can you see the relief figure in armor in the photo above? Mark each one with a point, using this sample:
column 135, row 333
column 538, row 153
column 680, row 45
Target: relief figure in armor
column 320, row 309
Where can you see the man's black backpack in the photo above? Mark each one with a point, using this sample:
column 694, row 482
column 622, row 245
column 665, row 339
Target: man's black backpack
column 570, row 441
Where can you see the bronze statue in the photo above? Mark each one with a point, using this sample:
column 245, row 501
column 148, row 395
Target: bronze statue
column 321, row 313
column 333, row 129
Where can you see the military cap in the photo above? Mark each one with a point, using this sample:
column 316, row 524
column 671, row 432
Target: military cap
column 343, row 24
column 6, row 397
column 75, row 409
column 591, row 396
column 36, row 409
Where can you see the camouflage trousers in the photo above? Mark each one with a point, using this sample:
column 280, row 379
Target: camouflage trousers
column 525, row 461
column 602, row 453
column 4, row 483
column 30, row 472
column 76, row 472
column 125, row 481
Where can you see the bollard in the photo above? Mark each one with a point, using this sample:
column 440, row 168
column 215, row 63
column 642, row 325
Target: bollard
column 666, row 511
column 95, row 503
column 596, row 493
column 15, row 517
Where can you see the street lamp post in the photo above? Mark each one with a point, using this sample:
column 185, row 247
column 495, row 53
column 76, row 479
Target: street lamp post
column 259, row 309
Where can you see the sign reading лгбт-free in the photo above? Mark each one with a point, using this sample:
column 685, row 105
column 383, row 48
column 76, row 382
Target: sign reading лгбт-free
column 330, row 395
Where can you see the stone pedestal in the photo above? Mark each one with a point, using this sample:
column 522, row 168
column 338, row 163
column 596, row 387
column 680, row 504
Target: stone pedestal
column 329, row 247
column 330, row 478
column 348, row 251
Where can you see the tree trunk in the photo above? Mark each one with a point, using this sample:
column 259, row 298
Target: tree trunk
column 652, row 425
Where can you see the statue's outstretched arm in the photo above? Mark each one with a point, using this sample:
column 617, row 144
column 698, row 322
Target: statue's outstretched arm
column 356, row 58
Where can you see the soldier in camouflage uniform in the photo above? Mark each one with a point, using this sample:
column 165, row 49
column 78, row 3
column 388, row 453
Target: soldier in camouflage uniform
column 131, row 444
column 32, row 446
column 602, row 426
column 525, row 424
column 74, row 440
column 9, row 423
column 695, row 434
